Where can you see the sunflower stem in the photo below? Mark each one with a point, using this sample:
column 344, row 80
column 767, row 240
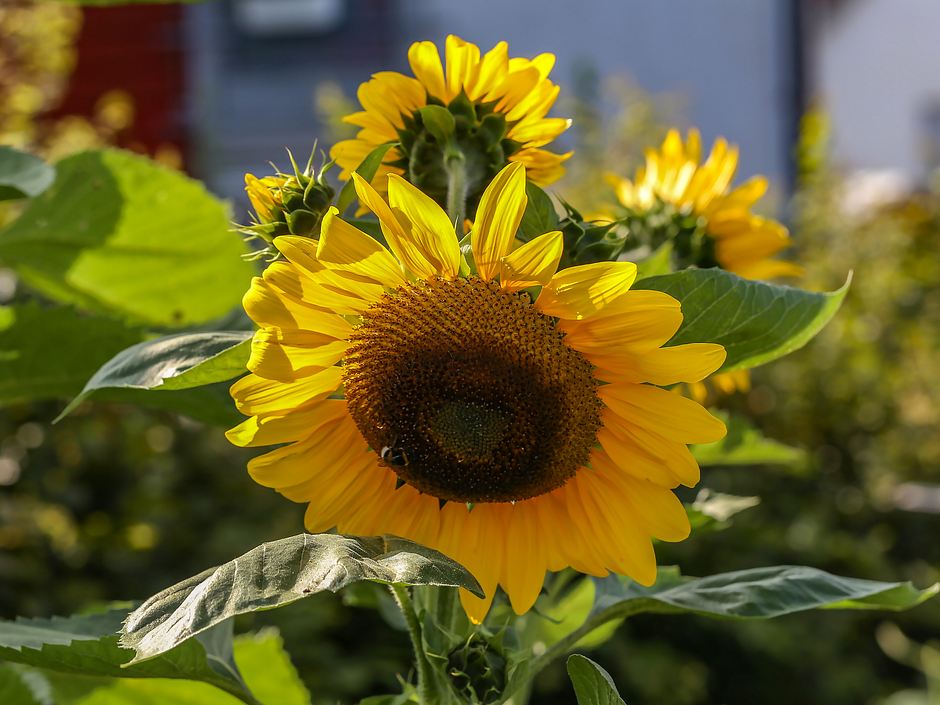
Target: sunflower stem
column 456, row 165
column 403, row 599
column 568, row 642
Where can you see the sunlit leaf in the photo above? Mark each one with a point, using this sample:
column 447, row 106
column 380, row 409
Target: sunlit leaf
column 22, row 175
column 592, row 684
column 268, row 671
column 755, row 321
column 176, row 362
column 121, row 235
column 87, row 645
column 279, row 573
column 49, row 353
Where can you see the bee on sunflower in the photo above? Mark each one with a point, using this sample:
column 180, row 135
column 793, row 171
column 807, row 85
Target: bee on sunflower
column 476, row 400
column 498, row 107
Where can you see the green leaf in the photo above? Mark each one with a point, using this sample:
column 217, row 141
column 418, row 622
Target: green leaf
column 22, row 175
column 745, row 445
column 268, row 671
column 713, row 510
column 279, row 573
column 439, row 122
column 656, row 264
column 592, row 684
column 19, row 686
column 367, row 169
column 49, row 353
column 758, row 593
column 175, row 362
column 540, row 216
column 755, row 321
column 87, row 645
column 118, row 234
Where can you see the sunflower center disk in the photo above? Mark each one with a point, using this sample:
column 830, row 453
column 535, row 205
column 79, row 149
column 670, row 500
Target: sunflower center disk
column 469, row 393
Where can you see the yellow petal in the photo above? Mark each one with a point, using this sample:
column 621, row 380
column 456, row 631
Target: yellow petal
column 640, row 319
column 286, row 355
column 532, row 264
column 670, row 415
column 397, row 231
column 293, row 425
column 691, row 362
column 345, row 246
column 578, row 292
column 426, row 64
column 462, row 60
column 525, row 564
column 427, row 228
column 254, row 395
column 673, row 456
column 490, row 71
column 498, row 216
column 323, row 289
column 392, row 95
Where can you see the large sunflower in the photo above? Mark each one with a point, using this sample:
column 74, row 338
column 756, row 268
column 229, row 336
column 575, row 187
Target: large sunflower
column 499, row 107
column 423, row 395
column 735, row 238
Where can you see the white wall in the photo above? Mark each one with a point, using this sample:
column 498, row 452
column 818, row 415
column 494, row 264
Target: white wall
column 877, row 69
column 728, row 57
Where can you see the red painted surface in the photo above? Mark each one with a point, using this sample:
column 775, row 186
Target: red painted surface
column 138, row 50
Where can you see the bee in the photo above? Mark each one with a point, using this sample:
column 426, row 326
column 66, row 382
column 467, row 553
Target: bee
column 394, row 456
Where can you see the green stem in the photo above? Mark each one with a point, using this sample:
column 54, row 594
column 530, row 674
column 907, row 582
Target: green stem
column 456, row 165
column 567, row 643
column 403, row 598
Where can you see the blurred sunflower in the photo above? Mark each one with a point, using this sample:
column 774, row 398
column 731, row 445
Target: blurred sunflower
column 423, row 397
column 499, row 105
column 711, row 223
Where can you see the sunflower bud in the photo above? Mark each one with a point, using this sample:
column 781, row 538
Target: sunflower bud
column 287, row 204
column 478, row 671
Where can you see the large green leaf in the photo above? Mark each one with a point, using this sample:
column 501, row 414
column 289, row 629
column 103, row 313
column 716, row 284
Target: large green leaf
column 755, row 321
column 119, row 234
column 745, row 445
column 759, row 593
column 176, row 362
column 22, row 175
column 592, row 684
column 51, row 352
column 278, row 573
column 87, row 645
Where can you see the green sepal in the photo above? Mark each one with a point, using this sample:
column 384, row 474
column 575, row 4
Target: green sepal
column 367, row 170
column 439, row 122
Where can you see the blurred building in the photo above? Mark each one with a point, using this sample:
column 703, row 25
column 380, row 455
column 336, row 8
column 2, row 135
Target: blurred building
column 875, row 68
column 233, row 81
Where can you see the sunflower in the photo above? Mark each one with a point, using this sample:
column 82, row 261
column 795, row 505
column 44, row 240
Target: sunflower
column 424, row 392
column 499, row 105
column 699, row 201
